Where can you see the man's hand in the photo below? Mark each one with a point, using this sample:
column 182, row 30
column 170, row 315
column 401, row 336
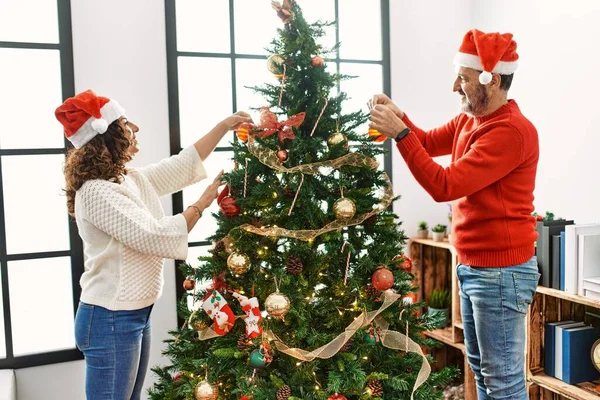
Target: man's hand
column 386, row 101
column 234, row 121
column 385, row 120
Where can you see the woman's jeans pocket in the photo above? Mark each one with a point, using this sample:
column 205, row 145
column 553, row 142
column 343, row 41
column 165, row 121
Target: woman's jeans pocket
column 83, row 325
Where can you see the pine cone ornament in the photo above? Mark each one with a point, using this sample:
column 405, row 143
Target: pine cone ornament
column 219, row 248
column 288, row 191
column 371, row 220
column 371, row 291
column 293, row 265
column 375, row 388
column 244, row 342
column 284, row 393
column 346, row 346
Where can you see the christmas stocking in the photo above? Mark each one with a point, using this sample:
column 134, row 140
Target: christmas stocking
column 217, row 308
column 252, row 310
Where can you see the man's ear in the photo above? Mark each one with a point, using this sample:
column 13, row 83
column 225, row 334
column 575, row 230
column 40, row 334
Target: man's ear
column 496, row 81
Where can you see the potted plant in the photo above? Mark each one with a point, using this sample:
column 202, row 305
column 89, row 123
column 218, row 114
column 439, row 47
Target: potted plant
column 423, row 231
column 439, row 303
column 439, row 232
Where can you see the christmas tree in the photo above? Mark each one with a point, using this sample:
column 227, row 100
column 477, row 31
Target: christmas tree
column 308, row 294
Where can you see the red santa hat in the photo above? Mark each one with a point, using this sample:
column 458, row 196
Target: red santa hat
column 86, row 115
column 488, row 52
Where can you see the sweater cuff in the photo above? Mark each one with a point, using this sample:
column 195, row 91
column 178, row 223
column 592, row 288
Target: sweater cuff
column 198, row 170
column 181, row 251
column 409, row 143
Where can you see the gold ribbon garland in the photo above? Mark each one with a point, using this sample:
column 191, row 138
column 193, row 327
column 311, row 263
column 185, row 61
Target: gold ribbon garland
column 391, row 339
column 269, row 158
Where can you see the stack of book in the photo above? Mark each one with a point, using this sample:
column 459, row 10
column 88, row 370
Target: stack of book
column 567, row 354
column 568, row 256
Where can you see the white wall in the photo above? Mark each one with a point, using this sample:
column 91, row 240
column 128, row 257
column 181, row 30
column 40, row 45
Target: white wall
column 556, row 87
column 423, row 43
column 119, row 51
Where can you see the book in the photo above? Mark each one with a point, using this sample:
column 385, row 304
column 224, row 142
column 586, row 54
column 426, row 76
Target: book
column 558, row 347
column 549, row 354
column 577, row 360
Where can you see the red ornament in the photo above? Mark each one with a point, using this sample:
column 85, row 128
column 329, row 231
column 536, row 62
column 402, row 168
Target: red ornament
column 382, row 278
column 337, row 397
column 189, row 284
column 177, row 376
column 375, row 134
column 242, row 133
column 405, row 263
column 317, row 61
column 227, row 203
column 282, row 155
column 244, row 397
column 409, row 299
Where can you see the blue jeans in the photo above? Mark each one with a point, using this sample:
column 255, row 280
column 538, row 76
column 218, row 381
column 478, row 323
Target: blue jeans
column 116, row 346
column 494, row 304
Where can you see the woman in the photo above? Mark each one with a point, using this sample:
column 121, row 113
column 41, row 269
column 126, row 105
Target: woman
column 126, row 235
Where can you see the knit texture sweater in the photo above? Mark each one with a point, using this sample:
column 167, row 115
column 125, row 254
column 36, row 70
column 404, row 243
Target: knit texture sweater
column 126, row 235
column 490, row 182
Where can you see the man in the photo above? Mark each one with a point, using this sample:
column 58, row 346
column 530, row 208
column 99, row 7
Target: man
column 490, row 181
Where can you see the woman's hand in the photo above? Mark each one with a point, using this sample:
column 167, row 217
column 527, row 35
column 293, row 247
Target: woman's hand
column 234, row 121
column 210, row 193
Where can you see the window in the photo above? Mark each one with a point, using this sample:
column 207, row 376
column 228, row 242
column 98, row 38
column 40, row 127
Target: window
column 216, row 49
column 41, row 255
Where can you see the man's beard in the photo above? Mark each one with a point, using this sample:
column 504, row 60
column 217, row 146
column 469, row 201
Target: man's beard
column 476, row 104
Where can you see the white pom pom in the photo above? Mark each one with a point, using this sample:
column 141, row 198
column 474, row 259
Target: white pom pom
column 100, row 125
column 485, row 77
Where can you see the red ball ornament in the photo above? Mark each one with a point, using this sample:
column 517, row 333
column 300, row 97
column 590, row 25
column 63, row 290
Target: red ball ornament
column 337, row 397
column 317, row 61
column 382, row 278
column 189, row 284
column 405, row 263
column 282, row 155
column 177, row 376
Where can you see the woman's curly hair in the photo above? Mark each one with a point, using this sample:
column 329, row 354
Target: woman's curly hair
column 103, row 157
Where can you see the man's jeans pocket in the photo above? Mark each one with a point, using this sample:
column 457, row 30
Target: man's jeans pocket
column 83, row 325
column 525, row 286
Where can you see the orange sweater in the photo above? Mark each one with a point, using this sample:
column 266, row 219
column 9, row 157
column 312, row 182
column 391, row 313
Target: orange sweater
column 490, row 182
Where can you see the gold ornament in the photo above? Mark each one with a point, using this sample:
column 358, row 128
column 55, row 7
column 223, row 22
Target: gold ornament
column 205, row 391
column 199, row 325
column 238, row 263
column 344, row 208
column 275, row 65
column 277, row 305
column 336, row 139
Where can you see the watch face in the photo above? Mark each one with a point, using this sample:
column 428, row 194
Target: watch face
column 595, row 354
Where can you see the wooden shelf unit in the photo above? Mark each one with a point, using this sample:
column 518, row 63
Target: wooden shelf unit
column 434, row 266
column 551, row 305
column 583, row 391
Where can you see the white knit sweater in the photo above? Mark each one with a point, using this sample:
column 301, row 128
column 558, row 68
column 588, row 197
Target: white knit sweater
column 126, row 235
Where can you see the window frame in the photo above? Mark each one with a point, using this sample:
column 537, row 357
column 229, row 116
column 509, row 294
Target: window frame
column 173, row 88
column 65, row 48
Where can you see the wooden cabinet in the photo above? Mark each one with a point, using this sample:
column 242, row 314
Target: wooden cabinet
column 434, row 266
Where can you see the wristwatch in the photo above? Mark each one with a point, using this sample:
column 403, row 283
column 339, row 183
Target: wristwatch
column 401, row 135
